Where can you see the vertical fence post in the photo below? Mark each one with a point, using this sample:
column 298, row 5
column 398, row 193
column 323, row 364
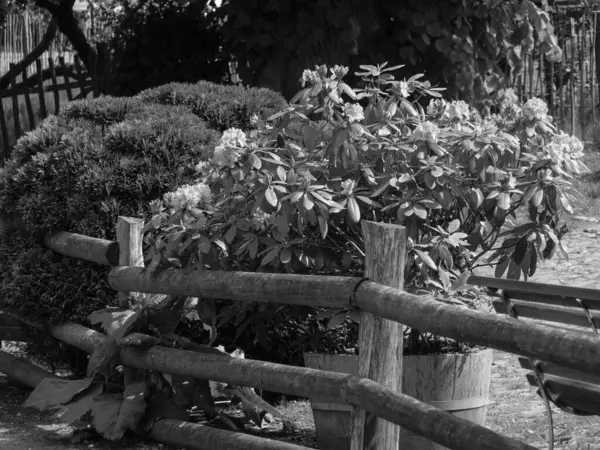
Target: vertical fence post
column 380, row 342
column 129, row 237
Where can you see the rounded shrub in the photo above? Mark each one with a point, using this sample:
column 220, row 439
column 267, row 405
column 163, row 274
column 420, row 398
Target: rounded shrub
column 78, row 171
column 222, row 106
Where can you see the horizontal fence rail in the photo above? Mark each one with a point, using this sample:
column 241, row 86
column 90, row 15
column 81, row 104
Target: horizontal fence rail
column 418, row 417
column 101, row 251
column 421, row 312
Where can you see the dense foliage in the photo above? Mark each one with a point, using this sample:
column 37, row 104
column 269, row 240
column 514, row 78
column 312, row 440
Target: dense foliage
column 157, row 42
column 78, row 171
column 470, row 46
column 289, row 196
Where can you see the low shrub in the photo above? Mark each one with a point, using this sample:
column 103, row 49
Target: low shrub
column 289, row 196
column 222, row 106
column 78, row 171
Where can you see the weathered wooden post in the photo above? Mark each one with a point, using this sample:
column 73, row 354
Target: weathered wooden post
column 380, row 342
column 130, row 238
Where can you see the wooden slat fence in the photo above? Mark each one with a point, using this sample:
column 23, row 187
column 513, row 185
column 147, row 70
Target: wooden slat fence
column 34, row 94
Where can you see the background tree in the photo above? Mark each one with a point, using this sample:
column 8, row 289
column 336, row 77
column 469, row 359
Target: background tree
column 470, row 46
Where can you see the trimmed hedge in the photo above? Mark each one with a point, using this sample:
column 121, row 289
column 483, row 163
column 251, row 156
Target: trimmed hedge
column 78, row 171
column 222, row 106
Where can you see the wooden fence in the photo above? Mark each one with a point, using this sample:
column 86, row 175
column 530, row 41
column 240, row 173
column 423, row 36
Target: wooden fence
column 374, row 392
column 30, row 96
column 21, row 32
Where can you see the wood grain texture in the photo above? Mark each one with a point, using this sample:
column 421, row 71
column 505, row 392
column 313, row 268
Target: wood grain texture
column 535, row 288
column 130, row 240
column 380, row 341
column 550, row 313
column 101, row 251
column 315, row 290
column 201, row 437
column 563, row 347
column 420, row 418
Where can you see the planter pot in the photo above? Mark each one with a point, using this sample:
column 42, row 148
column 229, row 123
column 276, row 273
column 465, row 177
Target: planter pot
column 457, row 382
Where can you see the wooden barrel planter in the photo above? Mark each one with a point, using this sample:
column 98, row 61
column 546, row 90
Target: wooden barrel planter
column 456, row 382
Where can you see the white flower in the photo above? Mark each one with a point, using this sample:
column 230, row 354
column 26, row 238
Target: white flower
column 564, row 149
column 535, row 108
column 435, row 107
column 403, row 87
column 260, row 219
column 233, row 137
column 254, row 120
column 348, row 186
column 457, row 110
column 189, row 196
column 310, row 76
column 426, row 131
column 226, row 156
column 507, row 97
column 354, row 112
column 203, row 167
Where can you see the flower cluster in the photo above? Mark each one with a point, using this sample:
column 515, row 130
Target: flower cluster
column 457, row 111
column 354, row 112
column 426, row 131
column 189, row 196
column 535, row 108
column 290, row 194
column 565, row 150
column 230, row 148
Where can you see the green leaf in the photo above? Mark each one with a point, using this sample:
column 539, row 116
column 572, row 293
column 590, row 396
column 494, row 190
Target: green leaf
column 337, row 320
column 520, row 250
column 285, row 255
column 162, row 406
column 54, row 391
column 444, row 277
column 426, row 259
column 453, row 226
column 113, row 414
column 271, row 197
column 103, row 357
column 514, row 270
column 502, row 266
column 81, row 405
column 111, row 319
column 461, row 281
column 270, row 256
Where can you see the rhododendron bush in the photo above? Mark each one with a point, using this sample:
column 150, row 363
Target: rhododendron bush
column 289, row 194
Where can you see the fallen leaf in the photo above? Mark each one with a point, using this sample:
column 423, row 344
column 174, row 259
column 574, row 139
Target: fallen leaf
column 53, row 391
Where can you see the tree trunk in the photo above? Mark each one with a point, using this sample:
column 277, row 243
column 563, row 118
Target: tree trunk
column 62, row 12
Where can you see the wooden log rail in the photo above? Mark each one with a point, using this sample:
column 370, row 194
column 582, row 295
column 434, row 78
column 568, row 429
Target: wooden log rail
column 425, row 420
column 422, row 312
column 101, row 251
